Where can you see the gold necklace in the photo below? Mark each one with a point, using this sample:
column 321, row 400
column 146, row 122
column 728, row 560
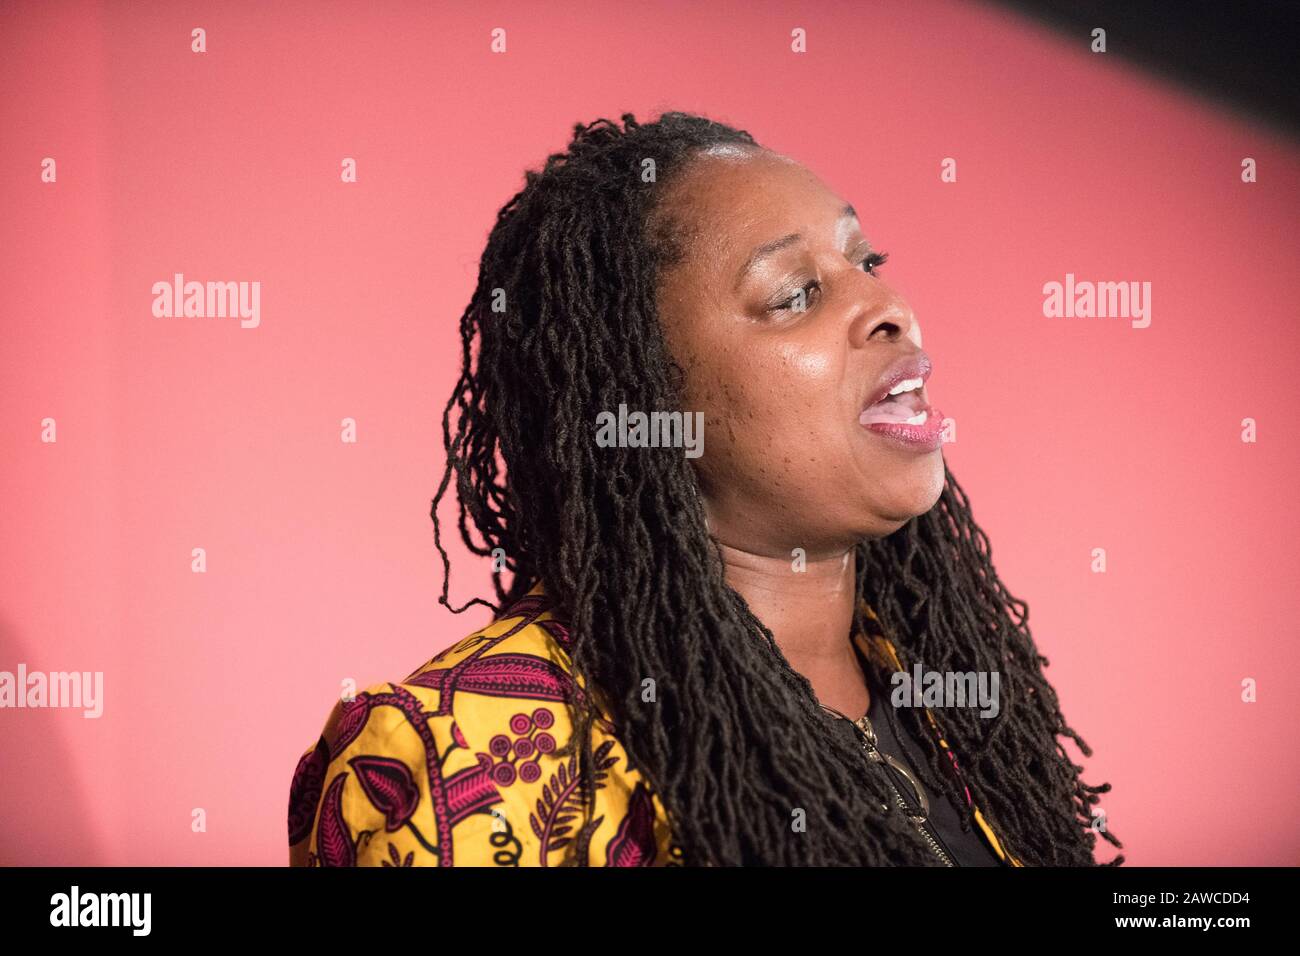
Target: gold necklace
column 875, row 754
column 863, row 724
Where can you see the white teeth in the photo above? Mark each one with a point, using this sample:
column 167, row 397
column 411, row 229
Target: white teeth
column 906, row 385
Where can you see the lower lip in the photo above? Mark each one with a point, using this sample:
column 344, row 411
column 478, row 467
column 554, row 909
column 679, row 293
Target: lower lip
column 926, row 437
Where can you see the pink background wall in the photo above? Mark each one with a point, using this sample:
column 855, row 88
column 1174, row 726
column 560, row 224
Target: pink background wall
column 183, row 433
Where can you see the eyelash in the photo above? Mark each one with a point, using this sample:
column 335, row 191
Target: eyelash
column 873, row 261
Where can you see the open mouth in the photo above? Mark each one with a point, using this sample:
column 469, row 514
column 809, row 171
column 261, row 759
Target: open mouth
column 906, row 404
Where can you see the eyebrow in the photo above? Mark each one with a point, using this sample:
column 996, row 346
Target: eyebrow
column 776, row 245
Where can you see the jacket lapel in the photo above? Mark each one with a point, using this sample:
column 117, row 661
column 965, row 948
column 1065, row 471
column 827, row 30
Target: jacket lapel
column 877, row 647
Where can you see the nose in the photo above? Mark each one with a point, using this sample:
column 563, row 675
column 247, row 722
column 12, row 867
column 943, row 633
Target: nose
column 885, row 317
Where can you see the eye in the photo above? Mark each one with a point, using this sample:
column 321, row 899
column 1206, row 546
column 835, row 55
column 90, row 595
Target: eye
column 873, row 261
column 807, row 289
column 869, row 265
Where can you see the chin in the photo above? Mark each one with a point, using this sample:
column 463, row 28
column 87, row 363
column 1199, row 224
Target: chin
column 900, row 511
column 928, row 498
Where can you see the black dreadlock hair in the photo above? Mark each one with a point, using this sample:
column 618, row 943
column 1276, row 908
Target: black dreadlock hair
column 565, row 316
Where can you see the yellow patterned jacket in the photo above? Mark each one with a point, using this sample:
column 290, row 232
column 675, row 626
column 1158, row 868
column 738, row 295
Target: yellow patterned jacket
column 456, row 765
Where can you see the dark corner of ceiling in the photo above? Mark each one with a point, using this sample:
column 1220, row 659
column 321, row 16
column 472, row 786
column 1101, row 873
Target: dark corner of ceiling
column 1241, row 53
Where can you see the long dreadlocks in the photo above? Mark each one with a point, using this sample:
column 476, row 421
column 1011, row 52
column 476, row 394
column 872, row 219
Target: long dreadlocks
column 565, row 318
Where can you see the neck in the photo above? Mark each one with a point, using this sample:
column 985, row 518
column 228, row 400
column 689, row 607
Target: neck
column 809, row 612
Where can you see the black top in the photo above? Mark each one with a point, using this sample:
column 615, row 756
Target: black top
column 967, row 848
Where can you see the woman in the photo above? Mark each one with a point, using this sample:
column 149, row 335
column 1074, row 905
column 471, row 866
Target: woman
column 686, row 633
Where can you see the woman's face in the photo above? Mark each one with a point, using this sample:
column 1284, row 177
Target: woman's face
column 786, row 461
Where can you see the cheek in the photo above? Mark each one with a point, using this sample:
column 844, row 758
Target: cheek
column 804, row 370
column 765, row 404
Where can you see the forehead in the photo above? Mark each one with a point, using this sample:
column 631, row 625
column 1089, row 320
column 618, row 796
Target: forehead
column 727, row 203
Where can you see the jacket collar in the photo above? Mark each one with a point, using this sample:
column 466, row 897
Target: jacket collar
column 872, row 642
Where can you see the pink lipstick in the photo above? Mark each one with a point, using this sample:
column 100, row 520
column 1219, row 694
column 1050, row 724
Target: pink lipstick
column 899, row 409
